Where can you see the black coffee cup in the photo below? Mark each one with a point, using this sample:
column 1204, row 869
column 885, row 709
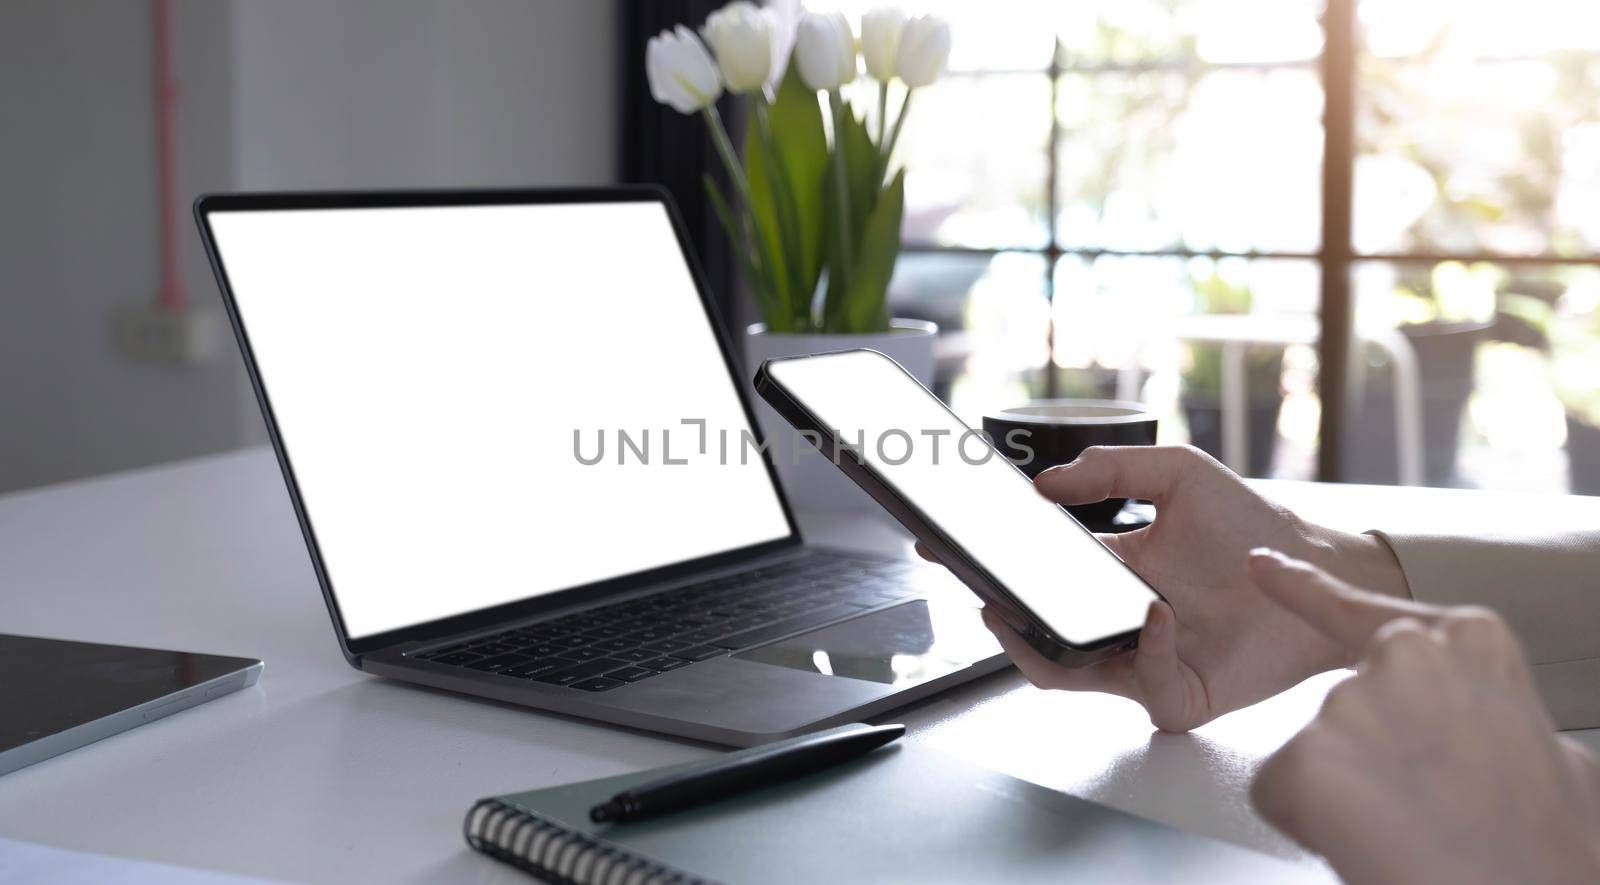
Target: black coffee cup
column 1047, row 433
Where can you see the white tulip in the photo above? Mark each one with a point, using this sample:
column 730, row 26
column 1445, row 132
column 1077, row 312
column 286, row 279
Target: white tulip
column 745, row 39
column 826, row 49
column 681, row 71
column 924, row 50
column 880, row 40
column 787, row 14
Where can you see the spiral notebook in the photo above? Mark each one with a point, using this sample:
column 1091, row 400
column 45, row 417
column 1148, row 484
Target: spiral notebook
column 902, row 813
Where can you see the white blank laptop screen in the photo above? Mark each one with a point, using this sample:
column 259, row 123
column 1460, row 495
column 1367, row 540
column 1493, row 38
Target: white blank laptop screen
column 428, row 368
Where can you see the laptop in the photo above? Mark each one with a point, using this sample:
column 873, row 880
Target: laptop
column 526, row 468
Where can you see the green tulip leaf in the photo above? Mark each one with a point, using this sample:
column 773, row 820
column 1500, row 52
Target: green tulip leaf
column 759, row 286
column 866, row 303
column 792, row 186
column 861, row 171
column 853, row 147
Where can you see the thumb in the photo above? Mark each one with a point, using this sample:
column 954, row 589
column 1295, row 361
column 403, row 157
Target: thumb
column 1344, row 614
column 1158, row 674
column 1145, row 472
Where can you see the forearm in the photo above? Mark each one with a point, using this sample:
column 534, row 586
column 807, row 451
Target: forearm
column 1546, row 587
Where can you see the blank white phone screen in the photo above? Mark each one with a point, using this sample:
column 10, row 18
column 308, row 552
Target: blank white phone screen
column 433, row 369
column 1066, row 577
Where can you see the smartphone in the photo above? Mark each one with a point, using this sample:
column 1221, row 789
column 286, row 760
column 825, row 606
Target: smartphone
column 1050, row 578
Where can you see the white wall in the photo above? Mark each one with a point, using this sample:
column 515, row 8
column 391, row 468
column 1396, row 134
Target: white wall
column 277, row 94
column 79, row 236
column 386, row 93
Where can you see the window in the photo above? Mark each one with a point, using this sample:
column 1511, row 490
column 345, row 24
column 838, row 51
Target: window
column 1099, row 192
column 1477, row 233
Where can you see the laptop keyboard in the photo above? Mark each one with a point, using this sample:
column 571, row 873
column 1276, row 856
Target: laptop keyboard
column 613, row 645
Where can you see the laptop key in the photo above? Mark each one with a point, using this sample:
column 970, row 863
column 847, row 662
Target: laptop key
column 615, row 644
column 583, row 654
column 560, row 677
column 648, row 635
column 702, row 635
column 635, row 654
column 499, row 662
column 456, row 659
column 524, row 637
column 493, row 648
column 632, row 674
column 569, row 641
column 663, row 664
column 537, row 668
column 583, row 671
column 541, row 650
column 598, row 683
column 784, row 627
column 699, row 652
column 667, row 645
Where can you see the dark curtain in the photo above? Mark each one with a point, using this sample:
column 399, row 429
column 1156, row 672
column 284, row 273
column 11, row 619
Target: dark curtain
column 661, row 146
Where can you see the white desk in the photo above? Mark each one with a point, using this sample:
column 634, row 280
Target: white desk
column 322, row 774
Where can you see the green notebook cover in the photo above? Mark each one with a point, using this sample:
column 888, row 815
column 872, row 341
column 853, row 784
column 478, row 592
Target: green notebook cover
column 902, row 813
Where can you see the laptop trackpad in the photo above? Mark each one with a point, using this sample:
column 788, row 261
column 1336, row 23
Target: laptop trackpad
column 910, row 643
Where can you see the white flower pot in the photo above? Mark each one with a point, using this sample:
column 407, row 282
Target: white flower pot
column 809, row 479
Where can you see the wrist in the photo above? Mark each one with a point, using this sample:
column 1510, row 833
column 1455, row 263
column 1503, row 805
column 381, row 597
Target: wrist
column 1375, row 567
column 1364, row 561
column 1361, row 560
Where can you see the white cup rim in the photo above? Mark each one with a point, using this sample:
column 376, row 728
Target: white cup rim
column 1068, row 412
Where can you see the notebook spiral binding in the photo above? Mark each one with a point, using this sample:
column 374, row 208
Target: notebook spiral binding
column 553, row 853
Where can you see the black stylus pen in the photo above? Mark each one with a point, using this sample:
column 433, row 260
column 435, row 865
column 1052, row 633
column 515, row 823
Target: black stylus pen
column 782, row 762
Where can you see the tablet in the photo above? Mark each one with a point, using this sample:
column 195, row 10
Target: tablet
column 59, row 695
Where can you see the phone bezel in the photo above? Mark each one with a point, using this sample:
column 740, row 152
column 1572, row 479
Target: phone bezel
column 972, row 573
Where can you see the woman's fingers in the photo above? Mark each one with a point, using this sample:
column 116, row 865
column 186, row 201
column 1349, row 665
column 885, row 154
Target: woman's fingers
column 1145, row 472
column 1114, row 676
column 1335, row 609
column 1153, row 675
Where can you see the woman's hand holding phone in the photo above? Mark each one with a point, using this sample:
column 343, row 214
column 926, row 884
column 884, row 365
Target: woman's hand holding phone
column 1222, row 644
column 1436, row 761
